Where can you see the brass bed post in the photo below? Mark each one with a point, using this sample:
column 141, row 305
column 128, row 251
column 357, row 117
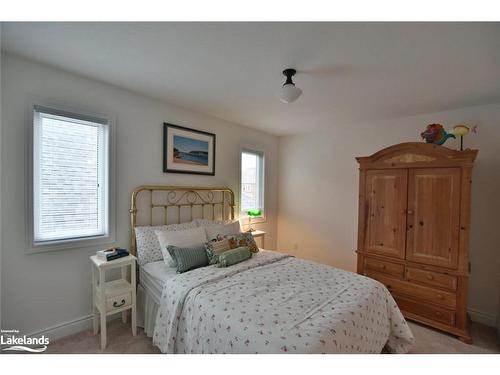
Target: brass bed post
column 231, row 194
column 152, row 206
column 133, row 212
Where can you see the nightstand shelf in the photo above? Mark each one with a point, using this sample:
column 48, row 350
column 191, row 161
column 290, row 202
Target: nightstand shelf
column 112, row 297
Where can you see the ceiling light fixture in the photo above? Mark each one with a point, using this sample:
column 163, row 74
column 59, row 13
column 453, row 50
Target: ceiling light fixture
column 289, row 92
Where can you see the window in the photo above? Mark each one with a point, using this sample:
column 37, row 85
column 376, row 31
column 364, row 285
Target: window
column 252, row 181
column 70, row 177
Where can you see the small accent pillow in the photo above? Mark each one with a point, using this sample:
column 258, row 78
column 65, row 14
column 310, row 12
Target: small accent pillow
column 186, row 238
column 223, row 229
column 234, row 256
column 148, row 247
column 188, row 258
column 215, row 248
column 241, row 239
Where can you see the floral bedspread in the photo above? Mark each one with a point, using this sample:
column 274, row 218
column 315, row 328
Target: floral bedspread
column 274, row 303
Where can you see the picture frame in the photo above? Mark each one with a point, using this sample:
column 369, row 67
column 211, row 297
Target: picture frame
column 188, row 151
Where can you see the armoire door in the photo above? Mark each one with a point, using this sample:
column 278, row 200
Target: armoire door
column 386, row 199
column 434, row 216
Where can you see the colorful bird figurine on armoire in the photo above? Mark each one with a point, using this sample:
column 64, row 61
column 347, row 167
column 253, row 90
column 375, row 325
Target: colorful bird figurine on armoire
column 462, row 130
column 435, row 133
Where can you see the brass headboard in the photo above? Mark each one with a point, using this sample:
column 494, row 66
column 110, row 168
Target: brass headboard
column 159, row 205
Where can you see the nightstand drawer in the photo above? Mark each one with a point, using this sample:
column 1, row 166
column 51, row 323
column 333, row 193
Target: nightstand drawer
column 117, row 302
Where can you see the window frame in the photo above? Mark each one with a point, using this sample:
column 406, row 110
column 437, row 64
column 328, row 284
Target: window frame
column 33, row 246
column 259, row 151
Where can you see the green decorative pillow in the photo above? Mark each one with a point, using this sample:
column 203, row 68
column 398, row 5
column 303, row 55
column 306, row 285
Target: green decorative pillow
column 234, row 256
column 242, row 239
column 188, row 258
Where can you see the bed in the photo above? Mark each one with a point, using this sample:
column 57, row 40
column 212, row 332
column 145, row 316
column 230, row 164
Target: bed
column 271, row 303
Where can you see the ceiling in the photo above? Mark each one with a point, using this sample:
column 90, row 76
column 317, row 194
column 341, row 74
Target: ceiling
column 349, row 72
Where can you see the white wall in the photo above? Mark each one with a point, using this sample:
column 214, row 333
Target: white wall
column 318, row 193
column 49, row 289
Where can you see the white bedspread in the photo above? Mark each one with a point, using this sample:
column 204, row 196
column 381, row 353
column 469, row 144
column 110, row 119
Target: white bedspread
column 274, row 303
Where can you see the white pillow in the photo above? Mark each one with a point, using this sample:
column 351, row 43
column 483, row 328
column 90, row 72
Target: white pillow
column 185, row 238
column 148, row 247
column 223, row 229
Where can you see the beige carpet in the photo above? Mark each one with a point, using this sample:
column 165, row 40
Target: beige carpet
column 430, row 341
column 120, row 340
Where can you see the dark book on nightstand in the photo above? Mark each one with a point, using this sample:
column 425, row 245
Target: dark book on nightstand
column 112, row 254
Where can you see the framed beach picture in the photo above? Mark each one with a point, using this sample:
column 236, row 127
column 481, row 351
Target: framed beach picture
column 188, row 150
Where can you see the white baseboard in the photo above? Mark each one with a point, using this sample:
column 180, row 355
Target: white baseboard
column 483, row 318
column 70, row 328
column 65, row 329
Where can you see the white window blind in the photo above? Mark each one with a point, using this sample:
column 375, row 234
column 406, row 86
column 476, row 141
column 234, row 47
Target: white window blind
column 70, row 176
column 252, row 181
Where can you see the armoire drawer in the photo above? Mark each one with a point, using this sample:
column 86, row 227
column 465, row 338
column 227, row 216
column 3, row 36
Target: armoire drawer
column 393, row 269
column 423, row 293
column 430, row 278
column 425, row 310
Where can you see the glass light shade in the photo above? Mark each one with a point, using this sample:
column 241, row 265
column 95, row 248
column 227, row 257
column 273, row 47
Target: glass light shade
column 254, row 213
column 289, row 93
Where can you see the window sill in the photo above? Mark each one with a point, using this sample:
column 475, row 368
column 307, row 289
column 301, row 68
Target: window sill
column 33, row 248
column 260, row 220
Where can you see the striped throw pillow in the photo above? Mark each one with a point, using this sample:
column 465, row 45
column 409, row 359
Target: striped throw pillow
column 188, row 258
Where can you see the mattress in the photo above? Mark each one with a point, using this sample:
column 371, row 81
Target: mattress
column 152, row 277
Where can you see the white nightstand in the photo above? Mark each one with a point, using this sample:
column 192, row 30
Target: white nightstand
column 111, row 297
column 260, row 234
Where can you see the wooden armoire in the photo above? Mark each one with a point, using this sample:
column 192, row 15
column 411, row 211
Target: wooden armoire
column 414, row 228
